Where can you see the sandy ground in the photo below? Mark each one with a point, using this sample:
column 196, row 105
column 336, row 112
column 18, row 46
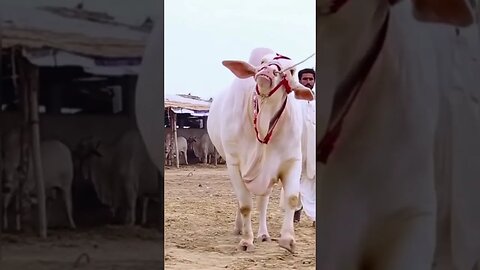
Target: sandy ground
column 199, row 221
column 107, row 248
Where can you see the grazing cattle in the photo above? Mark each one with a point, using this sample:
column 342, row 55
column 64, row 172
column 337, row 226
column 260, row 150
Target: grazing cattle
column 57, row 172
column 256, row 126
column 203, row 149
column 377, row 201
column 121, row 172
column 170, row 147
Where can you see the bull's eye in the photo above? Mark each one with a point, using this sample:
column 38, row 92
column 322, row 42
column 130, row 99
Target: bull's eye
column 276, row 72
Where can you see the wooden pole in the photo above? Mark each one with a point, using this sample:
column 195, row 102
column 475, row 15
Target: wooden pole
column 25, row 135
column 175, row 138
column 31, row 79
column 22, row 92
column 2, row 172
column 172, row 140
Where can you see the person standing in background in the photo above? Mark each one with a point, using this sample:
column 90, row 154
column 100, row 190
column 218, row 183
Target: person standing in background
column 457, row 156
column 307, row 201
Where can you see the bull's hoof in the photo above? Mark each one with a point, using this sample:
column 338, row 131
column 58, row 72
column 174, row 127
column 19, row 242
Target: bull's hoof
column 287, row 243
column 246, row 245
column 264, row 238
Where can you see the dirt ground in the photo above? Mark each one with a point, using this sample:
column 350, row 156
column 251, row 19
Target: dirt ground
column 107, row 248
column 199, row 221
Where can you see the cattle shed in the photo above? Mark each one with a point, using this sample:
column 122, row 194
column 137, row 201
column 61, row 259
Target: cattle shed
column 185, row 115
column 77, row 69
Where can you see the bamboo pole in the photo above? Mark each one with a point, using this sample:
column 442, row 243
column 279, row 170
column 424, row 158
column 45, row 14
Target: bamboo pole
column 31, row 79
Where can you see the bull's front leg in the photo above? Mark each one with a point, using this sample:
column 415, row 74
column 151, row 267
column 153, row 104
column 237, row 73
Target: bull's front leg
column 186, row 158
column 238, row 223
column 245, row 205
column 262, row 204
column 291, row 186
column 205, row 158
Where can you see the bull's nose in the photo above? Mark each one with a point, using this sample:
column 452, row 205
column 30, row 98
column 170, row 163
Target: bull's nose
column 269, row 71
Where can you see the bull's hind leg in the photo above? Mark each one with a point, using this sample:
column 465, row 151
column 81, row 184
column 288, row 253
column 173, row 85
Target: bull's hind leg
column 131, row 196
column 67, row 198
column 245, row 205
column 186, row 157
column 18, row 212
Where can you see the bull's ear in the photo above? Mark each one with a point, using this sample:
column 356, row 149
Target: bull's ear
column 241, row 69
column 453, row 12
column 302, row 92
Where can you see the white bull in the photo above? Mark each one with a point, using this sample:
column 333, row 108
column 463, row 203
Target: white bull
column 377, row 197
column 121, row 172
column 256, row 126
column 57, row 171
column 203, row 148
column 170, row 147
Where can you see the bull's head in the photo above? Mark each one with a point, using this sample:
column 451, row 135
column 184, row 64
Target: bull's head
column 191, row 141
column 88, row 147
column 274, row 73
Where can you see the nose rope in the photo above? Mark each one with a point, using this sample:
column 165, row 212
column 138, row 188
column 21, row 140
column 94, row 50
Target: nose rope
column 285, row 69
column 257, row 109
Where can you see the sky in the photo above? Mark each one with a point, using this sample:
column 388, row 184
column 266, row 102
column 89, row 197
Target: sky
column 200, row 34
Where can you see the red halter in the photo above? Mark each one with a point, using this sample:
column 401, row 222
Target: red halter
column 346, row 94
column 276, row 117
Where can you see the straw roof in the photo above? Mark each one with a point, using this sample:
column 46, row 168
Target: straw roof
column 85, row 33
column 182, row 102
